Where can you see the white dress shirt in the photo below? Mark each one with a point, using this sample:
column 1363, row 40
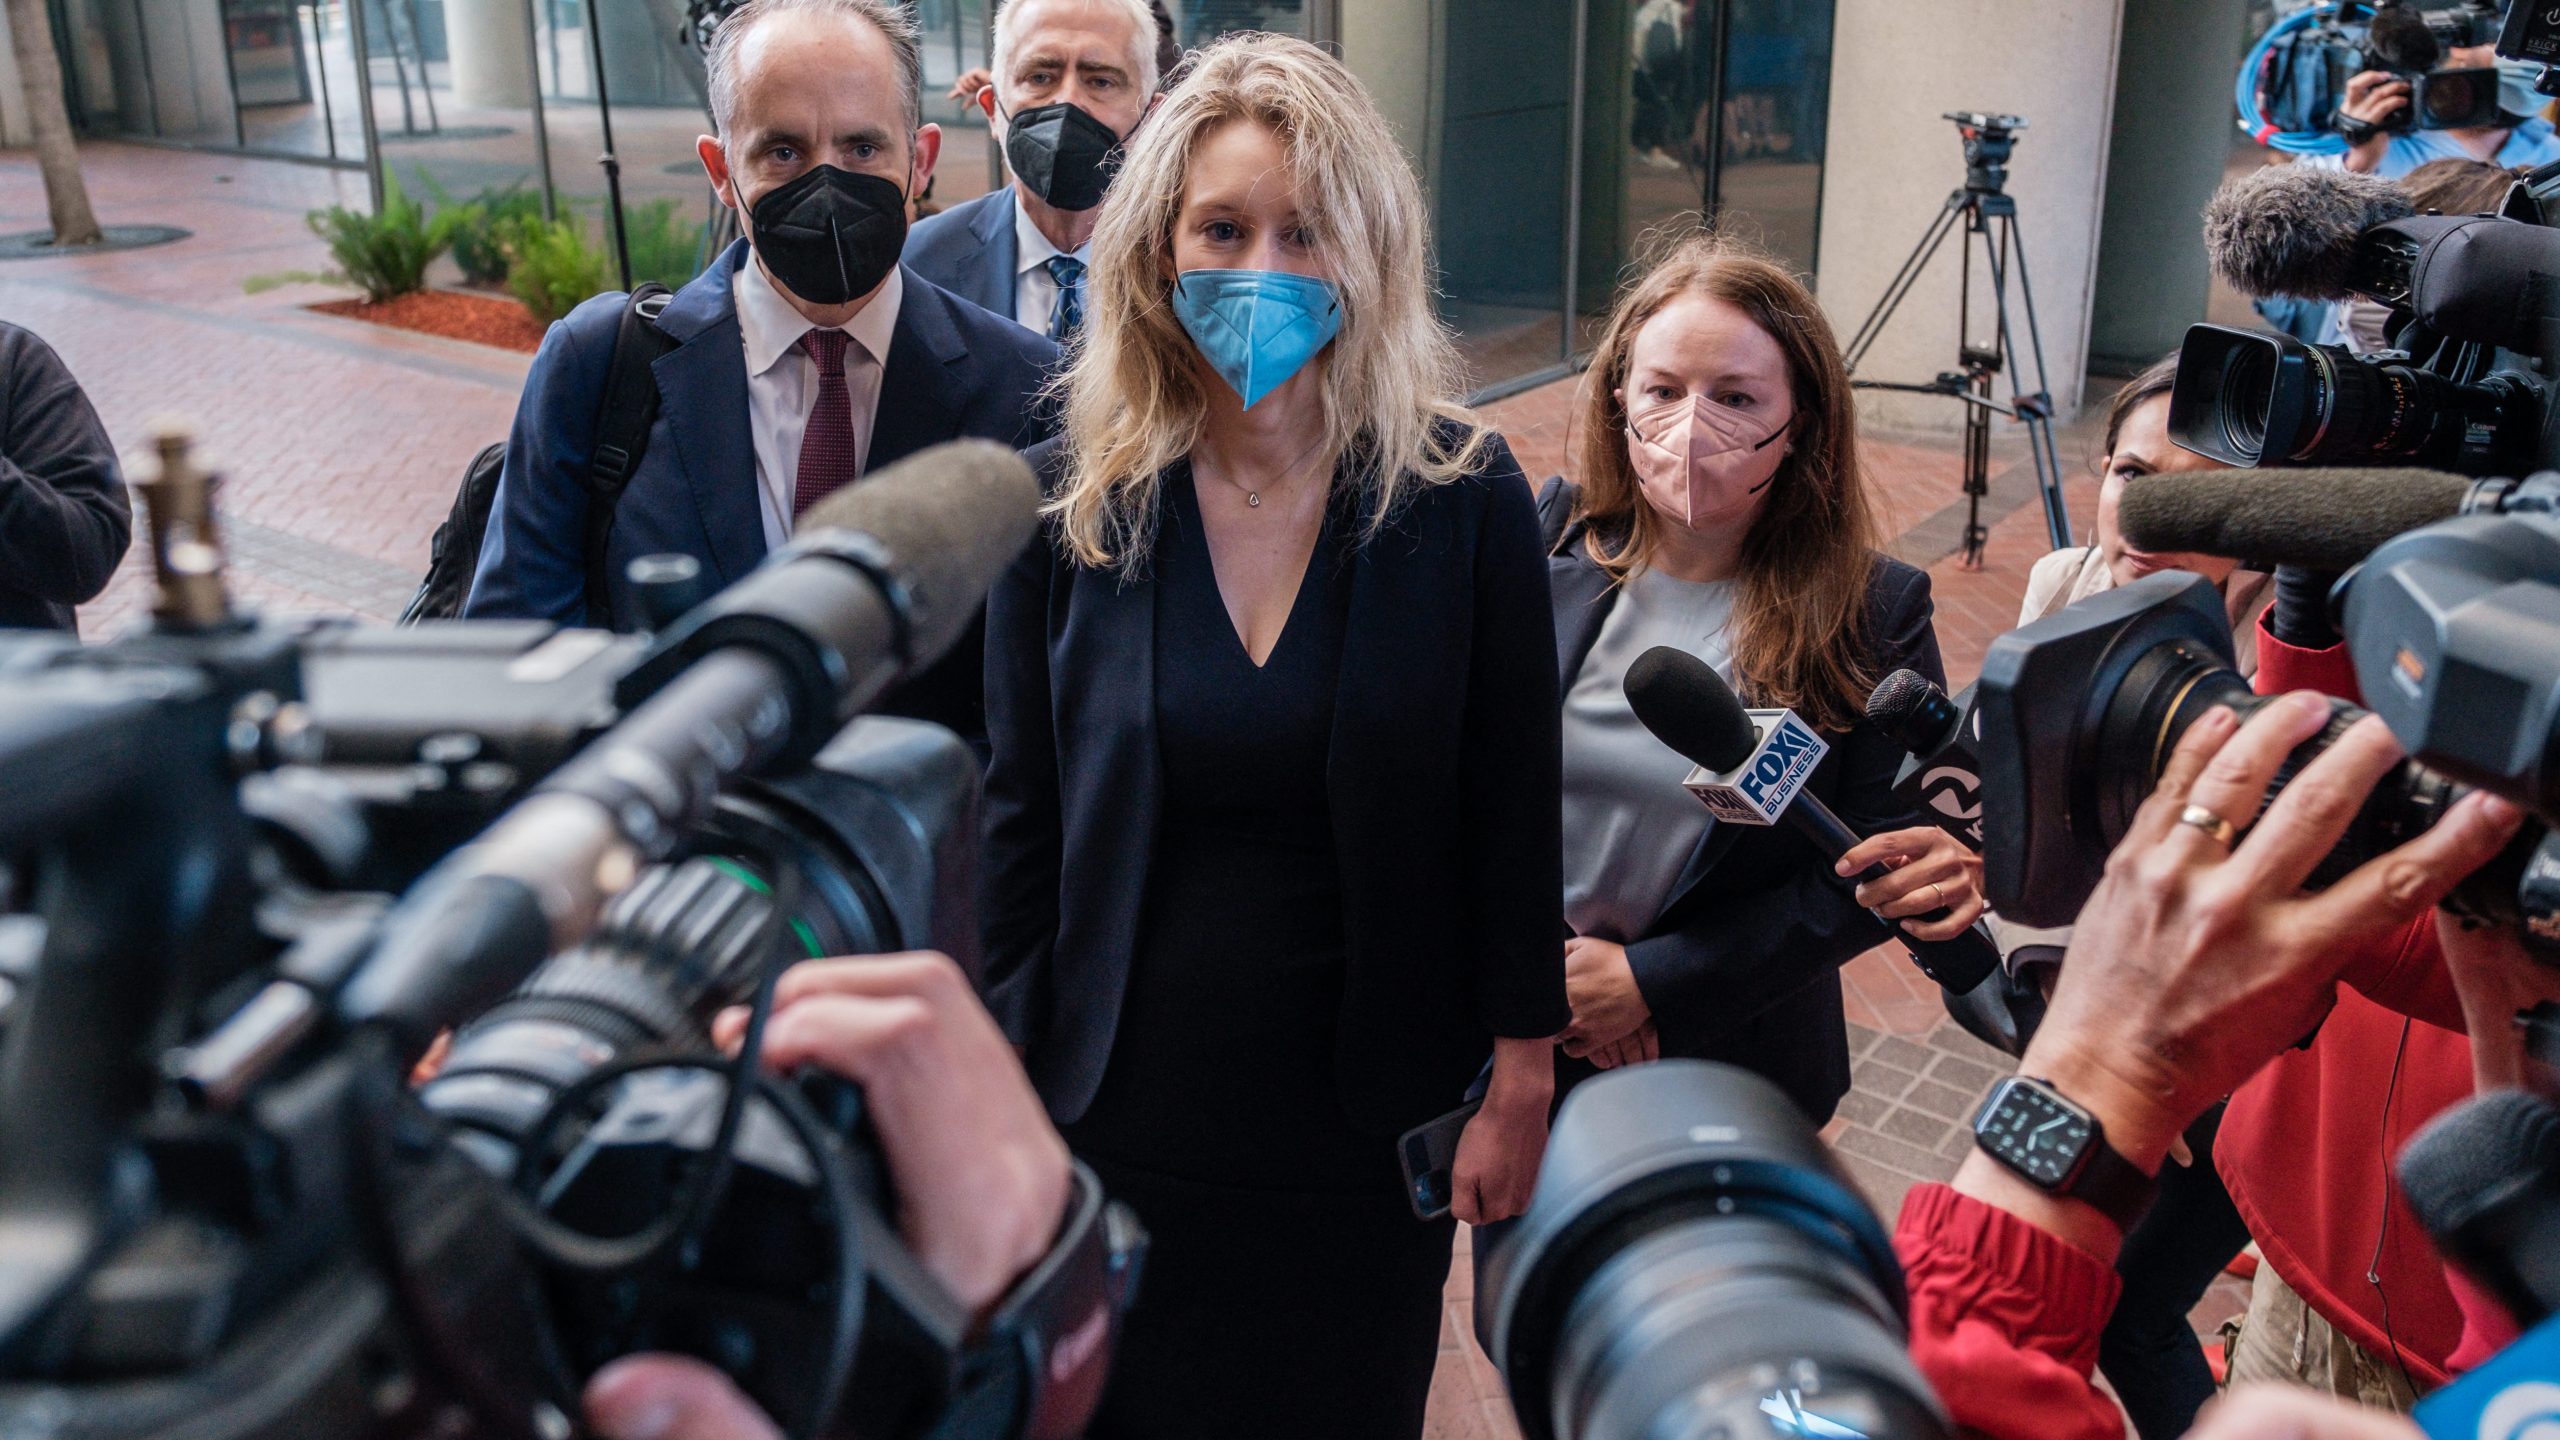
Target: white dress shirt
column 1035, row 290
column 782, row 382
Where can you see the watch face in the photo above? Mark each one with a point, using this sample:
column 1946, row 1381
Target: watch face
column 2034, row 1132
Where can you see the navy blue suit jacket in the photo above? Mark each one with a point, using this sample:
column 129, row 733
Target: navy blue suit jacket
column 970, row 251
column 952, row 372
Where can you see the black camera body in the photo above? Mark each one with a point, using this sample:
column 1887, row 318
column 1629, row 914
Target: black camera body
column 2081, row 710
column 2466, row 385
column 270, row 1234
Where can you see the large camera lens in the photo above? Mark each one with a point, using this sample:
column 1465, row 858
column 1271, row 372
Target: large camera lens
column 2247, row 398
column 1694, row 1264
column 2080, row 712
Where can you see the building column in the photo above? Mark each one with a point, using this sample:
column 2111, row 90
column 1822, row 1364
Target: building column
column 1892, row 162
column 2173, row 137
column 492, row 65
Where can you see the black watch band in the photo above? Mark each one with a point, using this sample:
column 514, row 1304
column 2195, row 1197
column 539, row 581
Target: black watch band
column 1056, row 1329
column 2060, row 1148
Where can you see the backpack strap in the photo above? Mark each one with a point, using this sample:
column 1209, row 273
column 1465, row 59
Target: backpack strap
column 627, row 409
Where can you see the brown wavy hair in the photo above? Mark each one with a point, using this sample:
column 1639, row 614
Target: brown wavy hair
column 1799, row 616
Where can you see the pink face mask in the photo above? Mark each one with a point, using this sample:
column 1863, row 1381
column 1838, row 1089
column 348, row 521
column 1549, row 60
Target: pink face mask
column 1702, row 463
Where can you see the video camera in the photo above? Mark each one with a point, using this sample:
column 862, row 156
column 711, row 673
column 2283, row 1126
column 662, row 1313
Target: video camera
column 1694, row 1264
column 224, row 1210
column 2466, row 382
column 2303, row 67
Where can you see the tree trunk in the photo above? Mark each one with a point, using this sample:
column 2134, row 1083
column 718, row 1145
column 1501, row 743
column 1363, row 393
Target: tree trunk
column 66, row 194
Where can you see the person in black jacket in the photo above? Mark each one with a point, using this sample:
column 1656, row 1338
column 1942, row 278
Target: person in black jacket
column 64, row 518
column 1721, row 511
column 1273, row 840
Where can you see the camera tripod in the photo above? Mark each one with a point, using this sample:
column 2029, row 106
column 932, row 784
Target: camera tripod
column 1990, row 212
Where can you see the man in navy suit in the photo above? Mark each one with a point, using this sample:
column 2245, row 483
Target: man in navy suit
column 804, row 357
column 1021, row 251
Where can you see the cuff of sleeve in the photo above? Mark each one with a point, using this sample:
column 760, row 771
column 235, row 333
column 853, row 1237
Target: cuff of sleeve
column 2283, row 667
column 1980, row 1264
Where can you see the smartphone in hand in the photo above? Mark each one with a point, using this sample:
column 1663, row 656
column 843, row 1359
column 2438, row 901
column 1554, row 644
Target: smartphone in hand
column 1429, row 1152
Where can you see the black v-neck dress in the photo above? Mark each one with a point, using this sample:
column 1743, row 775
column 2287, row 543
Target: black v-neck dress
column 1288, row 1291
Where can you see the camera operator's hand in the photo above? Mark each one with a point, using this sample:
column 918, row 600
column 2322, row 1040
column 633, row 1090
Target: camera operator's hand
column 2284, row 1412
column 1928, row 868
column 2373, row 96
column 671, row 1397
column 2496, row 979
column 2193, row 963
column 981, row 1176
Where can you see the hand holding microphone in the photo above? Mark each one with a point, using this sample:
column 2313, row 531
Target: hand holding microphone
column 1931, row 885
column 1755, row 771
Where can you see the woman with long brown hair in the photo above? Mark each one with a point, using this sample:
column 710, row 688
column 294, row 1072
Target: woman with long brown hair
column 1721, row 510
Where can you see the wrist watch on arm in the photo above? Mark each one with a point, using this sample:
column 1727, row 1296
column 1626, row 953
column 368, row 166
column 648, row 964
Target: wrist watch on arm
column 2061, row 1149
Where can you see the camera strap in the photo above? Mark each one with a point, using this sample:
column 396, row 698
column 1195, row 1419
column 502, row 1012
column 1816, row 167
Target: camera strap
column 1048, row 1345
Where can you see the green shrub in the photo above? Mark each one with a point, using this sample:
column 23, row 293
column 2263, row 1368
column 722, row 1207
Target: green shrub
column 551, row 266
column 481, row 226
column 665, row 246
column 387, row 252
column 384, row 253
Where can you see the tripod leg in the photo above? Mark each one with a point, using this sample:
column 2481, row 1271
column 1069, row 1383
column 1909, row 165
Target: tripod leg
column 1977, row 471
column 2034, row 407
column 1900, row 285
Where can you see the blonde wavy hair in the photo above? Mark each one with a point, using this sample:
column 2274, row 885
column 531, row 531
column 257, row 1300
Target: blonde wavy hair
column 1135, row 391
column 1799, row 618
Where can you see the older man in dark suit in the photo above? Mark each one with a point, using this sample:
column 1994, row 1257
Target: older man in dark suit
column 1071, row 79
column 804, row 357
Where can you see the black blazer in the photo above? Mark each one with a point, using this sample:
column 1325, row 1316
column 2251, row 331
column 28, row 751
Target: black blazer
column 64, row 519
column 1743, row 964
column 1444, row 782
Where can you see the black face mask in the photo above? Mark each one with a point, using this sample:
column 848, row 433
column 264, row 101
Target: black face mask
column 830, row 235
column 1065, row 156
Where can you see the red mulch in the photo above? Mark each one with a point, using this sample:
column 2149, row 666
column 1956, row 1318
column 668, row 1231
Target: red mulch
column 482, row 319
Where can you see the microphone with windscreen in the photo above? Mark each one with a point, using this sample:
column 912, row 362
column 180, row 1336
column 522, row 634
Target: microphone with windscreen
column 2322, row 519
column 2484, row 1178
column 1753, row 766
column 1940, row 775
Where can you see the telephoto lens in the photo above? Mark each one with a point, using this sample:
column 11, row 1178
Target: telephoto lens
column 2080, row 712
column 2248, row 398
column 1695, row 1264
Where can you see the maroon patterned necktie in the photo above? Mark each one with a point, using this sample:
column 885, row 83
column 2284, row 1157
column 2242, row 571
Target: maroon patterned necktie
column 829, row 458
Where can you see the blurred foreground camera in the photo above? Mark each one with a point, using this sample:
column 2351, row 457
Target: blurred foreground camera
column 1695, row 1265
column 273, row 860
column 2081, row 710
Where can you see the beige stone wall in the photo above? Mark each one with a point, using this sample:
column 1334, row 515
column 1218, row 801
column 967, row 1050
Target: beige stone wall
column 1892, row 162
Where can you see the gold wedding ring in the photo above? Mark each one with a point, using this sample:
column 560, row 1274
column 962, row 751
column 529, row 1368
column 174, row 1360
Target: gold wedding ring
column 2210, row 823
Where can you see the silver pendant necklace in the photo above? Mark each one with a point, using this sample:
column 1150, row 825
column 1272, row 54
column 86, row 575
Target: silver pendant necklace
column 1253, row 497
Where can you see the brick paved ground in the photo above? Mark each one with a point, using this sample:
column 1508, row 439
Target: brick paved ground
column 341, row 443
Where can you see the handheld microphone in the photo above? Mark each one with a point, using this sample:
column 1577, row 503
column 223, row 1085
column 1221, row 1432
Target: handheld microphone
column 2484, row 1178
column 2321, row 519
column 1940, row 777
column 1752, row 769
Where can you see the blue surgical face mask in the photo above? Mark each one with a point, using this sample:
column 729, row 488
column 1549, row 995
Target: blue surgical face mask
column 2516, row 94
column 1256, row 328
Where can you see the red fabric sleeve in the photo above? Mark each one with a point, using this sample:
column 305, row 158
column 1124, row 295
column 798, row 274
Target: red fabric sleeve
column 2283, row 667
column 2005, row 1319
column 2487, row 1328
